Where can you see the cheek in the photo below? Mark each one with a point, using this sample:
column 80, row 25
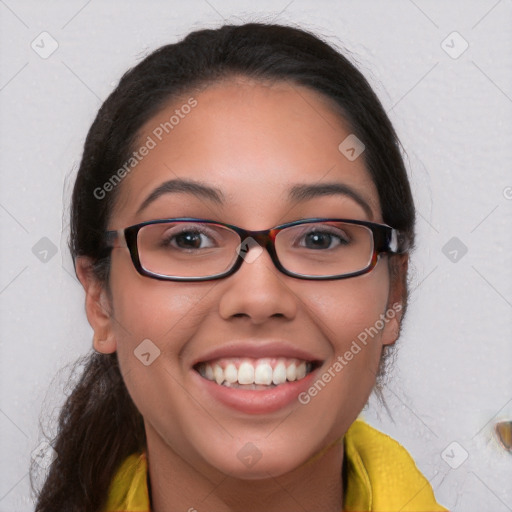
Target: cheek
column 144, row 306
column 349, row 314
column 157, row 318
column 346, row 308
column 165, row 312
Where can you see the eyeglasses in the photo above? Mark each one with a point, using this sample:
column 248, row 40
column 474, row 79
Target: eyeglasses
column 190, row 249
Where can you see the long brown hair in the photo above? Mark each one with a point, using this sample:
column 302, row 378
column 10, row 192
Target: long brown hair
column 99, row 424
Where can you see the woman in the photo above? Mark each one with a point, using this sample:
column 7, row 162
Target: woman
column 241, row 223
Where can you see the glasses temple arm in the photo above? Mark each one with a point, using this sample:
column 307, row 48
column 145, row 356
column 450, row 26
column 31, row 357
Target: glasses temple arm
column 115, row 239
column 398, row 242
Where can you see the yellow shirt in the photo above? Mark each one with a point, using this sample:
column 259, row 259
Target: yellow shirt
column 381, row 476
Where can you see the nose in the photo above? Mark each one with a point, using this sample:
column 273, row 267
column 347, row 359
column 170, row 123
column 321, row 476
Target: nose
column 258, row 291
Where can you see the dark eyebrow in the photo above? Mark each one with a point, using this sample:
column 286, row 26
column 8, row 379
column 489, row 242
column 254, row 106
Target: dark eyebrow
column 299, row 192
column 305, row 192
column 183, row 185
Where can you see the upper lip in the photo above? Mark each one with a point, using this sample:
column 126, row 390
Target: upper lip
column 257, row 350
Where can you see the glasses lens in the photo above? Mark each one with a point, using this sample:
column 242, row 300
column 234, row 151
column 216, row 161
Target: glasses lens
column 325, row 248
column 187, row 249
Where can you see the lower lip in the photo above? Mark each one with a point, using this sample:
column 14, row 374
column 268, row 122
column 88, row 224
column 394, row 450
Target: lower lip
column 256, row 402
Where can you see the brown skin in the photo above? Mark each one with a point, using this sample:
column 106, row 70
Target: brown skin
column 252, row 141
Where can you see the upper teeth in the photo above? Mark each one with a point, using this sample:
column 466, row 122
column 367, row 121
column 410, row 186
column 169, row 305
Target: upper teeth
column 258, row 371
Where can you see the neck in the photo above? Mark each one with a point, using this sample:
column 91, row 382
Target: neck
column 177, row 486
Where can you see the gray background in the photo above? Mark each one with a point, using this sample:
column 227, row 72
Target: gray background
column 453, row 112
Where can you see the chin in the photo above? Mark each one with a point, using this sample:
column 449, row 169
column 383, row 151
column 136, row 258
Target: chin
column 245, row 461
column 260, row 470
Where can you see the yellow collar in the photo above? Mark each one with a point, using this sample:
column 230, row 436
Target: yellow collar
column 380, row 476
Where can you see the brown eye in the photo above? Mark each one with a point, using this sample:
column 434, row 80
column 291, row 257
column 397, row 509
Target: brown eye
column 322, row 240
column 190, row 239
column 322, row 237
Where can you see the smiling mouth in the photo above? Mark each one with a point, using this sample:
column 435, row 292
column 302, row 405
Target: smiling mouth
column 255, row 374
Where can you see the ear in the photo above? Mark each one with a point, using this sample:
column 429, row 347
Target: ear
column 396, row 299
column 97, row 306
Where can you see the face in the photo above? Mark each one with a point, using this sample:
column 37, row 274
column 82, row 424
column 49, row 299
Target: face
column 252, row 143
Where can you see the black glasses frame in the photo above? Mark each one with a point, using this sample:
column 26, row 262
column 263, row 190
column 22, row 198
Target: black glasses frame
column 385, row 240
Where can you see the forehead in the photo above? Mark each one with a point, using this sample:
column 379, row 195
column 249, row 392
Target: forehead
column 250, row 140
